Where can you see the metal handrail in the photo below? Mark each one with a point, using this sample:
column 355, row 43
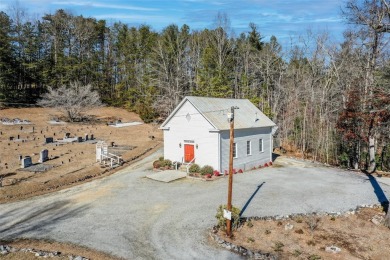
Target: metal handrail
column 175, row 164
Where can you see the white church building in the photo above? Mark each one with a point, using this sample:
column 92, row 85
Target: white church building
column 197, row 131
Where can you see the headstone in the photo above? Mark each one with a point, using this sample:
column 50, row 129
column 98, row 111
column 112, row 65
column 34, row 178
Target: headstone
column 26, row 162
column 86, row 137
column 18, row 136
column 20, row 157
column 21, row 127
column 79, row 139
column 43, row 156
column 92, row 136
column 67, row 135
column 11, row 138
column 48, row 140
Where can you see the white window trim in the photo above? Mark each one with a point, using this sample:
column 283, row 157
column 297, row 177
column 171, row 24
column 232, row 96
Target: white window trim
column 250, row 147
column 235, row 150
column 262, row 145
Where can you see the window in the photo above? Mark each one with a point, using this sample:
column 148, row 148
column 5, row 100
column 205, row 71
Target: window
column 248, row 148
column 261, row 145
column 234, row 150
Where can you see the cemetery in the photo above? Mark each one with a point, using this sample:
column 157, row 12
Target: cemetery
column 41, row 153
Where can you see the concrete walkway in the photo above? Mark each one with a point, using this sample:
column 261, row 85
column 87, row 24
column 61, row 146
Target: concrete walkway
column 131, row 216
column 167, row 176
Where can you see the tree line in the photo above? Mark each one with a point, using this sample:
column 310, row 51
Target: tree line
column 330, row 100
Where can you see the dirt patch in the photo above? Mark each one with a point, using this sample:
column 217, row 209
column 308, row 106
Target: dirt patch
column 63, row 250
column 307, row 237
column 69, row 163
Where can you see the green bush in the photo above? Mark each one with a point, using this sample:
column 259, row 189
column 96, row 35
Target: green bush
column 344, row 160
column 194, row 168
column 157, row 164
column 161, row 158
column 207, row 169
column 222, row 221
column 166, row 163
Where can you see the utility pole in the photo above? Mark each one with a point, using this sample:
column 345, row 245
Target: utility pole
column 230, row 186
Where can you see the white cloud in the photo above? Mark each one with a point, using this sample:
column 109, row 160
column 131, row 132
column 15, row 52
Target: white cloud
column 133, row 18
column 99, row 5
column 328, row 20
column 277, row 17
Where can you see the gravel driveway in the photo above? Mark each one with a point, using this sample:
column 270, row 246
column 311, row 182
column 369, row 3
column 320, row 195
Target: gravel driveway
column 131, row 216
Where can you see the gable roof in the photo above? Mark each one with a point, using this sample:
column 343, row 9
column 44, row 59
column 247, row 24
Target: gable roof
column 215, row 111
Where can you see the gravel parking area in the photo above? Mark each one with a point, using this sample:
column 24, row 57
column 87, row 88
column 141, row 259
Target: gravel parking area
column 131, row 216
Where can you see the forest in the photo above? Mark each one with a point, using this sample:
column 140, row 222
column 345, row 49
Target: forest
column 330, row 100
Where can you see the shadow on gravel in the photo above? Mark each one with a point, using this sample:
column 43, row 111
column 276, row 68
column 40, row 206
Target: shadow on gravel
column 382, row 199
column 250, row 199
column 16, row 223
column 274, row 156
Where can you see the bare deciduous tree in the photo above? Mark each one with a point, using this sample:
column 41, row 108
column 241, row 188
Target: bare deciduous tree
column 72, row 101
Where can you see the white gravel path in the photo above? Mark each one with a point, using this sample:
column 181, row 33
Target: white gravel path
column 134, row 217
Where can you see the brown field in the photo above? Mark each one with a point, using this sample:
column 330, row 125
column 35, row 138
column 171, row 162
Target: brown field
column 356, row 235
column 72, row 163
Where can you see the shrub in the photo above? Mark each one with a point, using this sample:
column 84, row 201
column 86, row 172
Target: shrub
column 208, row 176
column 157, row 164
column 166, row 163
column 161, row 158
column 226, row 172
column 222, row 221
column 234, row 171
column 265, row 164
column 240, row 171
column 207, row 169
column 216, row 173
column 270, row 163
column 194, row 168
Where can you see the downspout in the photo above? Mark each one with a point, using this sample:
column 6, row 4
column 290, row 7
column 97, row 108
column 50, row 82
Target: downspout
column 272, row 144
column 219, row 152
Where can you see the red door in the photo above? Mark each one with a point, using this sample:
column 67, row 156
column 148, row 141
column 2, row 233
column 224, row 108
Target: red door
column 189, row 153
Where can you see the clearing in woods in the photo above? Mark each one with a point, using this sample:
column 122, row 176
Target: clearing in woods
column 69, row 163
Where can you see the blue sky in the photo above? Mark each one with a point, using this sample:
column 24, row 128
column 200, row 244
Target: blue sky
column 285, row 19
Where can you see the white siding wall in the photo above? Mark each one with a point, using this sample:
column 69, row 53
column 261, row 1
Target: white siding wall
column 196, row 129
column 244, row 161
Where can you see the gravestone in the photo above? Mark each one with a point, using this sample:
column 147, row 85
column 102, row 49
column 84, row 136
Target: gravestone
column 79, row 139
column 67, row 135
column 26, row 162
column 20, row 157
column 48, row 140
column 11, row 138
column 43, row 156
column 86, row 137
column 92, row 137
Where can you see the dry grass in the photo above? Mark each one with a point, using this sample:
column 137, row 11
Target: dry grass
column 64, row 248
column 356, row 235
column 73, row 163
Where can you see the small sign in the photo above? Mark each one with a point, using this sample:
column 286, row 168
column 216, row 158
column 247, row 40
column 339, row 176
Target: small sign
column 227, row 214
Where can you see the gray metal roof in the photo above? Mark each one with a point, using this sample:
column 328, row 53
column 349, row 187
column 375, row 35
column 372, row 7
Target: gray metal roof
column 215, row 111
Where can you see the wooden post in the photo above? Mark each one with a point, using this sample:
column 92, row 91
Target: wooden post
column 230, row 186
